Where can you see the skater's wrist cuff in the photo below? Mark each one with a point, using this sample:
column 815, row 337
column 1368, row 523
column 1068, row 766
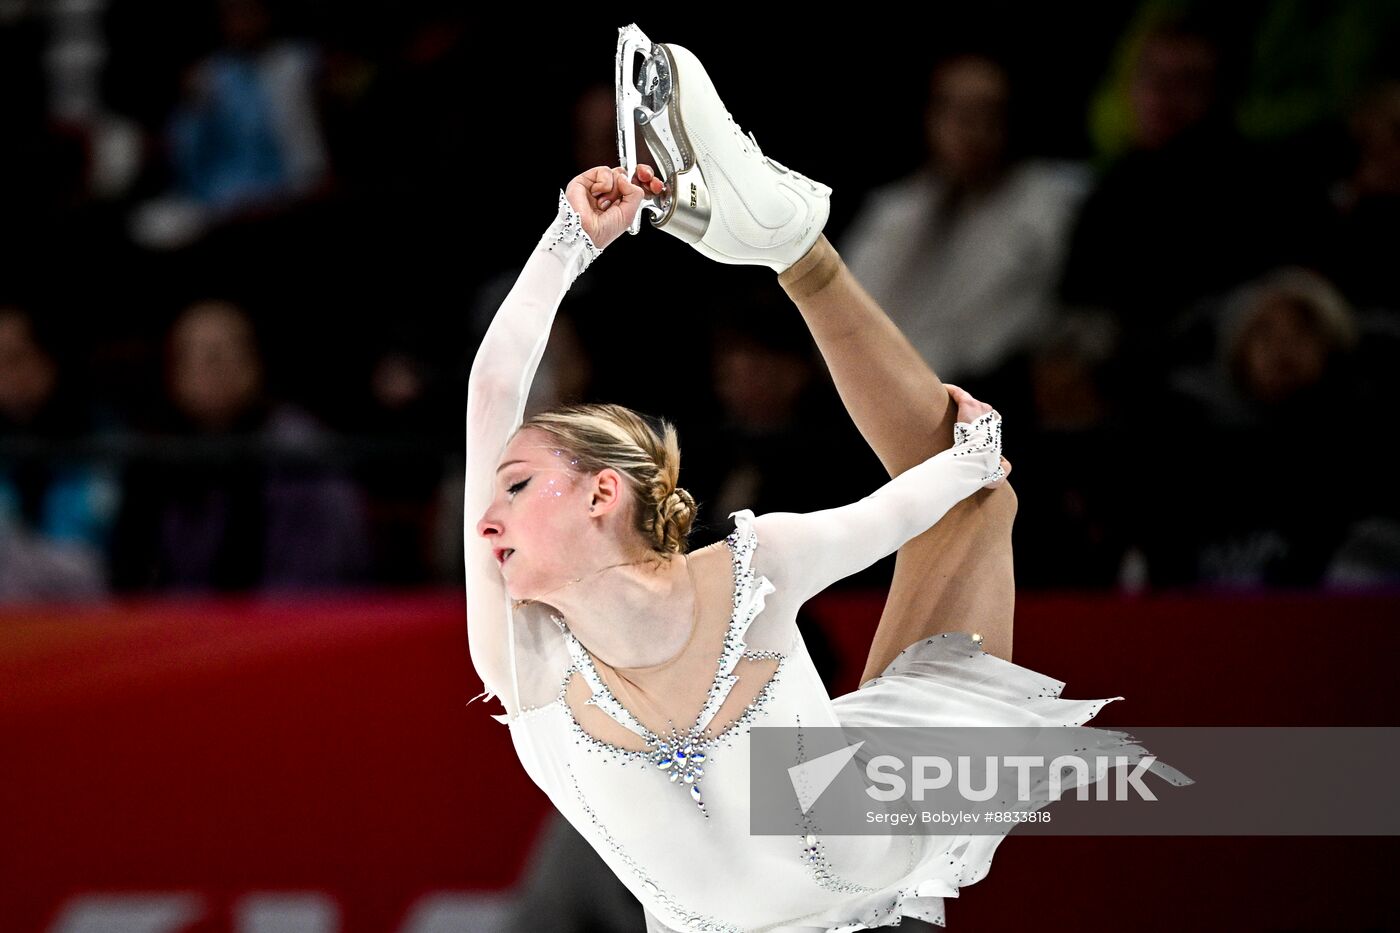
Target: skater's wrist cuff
column 567, row 238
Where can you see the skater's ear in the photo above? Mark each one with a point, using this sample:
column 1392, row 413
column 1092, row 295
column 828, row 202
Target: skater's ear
column 606, row 493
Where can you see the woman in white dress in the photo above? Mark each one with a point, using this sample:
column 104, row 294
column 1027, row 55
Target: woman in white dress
column 631, row 670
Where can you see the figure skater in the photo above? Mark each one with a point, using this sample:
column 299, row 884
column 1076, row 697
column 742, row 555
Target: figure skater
column 632, row 670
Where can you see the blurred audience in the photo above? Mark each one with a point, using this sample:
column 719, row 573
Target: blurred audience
column 56, row 507
column 1073, row 479
column 1284, row 345
column 1204, row 311
column 256, row 506
column 1267, row 479
column 776, row 439
column 965, row 253
column 410, row 410
column 1189, row 211
column 1365, row 238
column 245, row 135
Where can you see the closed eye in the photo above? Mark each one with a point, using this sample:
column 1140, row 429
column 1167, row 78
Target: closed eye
column 516, row 487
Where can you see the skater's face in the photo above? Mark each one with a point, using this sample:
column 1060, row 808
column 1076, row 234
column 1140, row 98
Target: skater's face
column 543, row 513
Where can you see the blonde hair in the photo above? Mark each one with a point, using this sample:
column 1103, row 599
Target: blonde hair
column 605, row 436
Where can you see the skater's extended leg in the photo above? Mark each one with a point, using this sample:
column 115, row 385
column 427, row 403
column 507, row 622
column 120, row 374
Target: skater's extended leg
column 958, row 575
column 900, row 406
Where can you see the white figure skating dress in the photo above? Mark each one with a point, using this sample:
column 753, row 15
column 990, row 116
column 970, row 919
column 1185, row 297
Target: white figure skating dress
column 683, row 846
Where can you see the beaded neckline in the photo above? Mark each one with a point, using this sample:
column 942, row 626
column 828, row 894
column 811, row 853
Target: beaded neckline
column 681, row 754
column 603, row 697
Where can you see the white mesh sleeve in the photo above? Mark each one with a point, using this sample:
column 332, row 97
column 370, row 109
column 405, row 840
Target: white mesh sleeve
column 804, row 553
column 500, row 380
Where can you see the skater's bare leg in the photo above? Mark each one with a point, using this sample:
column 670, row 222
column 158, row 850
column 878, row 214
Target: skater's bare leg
column 958, row 575
column 900, row 406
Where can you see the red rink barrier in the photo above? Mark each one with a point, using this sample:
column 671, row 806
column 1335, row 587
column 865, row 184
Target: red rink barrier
column 223, row 760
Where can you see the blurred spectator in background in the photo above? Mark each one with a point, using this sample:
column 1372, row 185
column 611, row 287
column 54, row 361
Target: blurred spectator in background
column 1266, row 455
column 772, row 411
column 1097, row 318
column 412, row 416
column 1188, row 211
column 1283, row 348
column 224, row 519
column 56, row 508
column 1072, row 530
column 245, row 137
column 1309, row 62
column 1363, row 246
column 965, row 253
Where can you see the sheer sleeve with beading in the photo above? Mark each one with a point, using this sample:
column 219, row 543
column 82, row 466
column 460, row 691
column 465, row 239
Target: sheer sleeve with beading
column 499, row 384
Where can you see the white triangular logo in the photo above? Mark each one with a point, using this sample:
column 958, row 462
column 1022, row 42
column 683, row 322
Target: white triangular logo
column 811, row 778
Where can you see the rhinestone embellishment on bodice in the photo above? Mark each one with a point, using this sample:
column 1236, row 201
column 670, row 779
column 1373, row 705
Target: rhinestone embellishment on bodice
column 680, row 756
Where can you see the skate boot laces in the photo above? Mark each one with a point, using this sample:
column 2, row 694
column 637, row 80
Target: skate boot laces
column 750, row 145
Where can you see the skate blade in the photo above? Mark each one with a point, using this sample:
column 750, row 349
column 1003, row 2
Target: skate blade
column 646, row 94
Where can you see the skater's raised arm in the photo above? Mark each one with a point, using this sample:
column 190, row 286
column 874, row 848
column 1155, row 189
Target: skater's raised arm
column 594, row 210
column 804, row 553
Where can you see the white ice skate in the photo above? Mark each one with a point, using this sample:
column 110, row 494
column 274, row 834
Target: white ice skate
column 723, row 195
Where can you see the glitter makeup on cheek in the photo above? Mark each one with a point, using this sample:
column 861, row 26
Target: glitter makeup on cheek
column 552, row 484
column 559, row 485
